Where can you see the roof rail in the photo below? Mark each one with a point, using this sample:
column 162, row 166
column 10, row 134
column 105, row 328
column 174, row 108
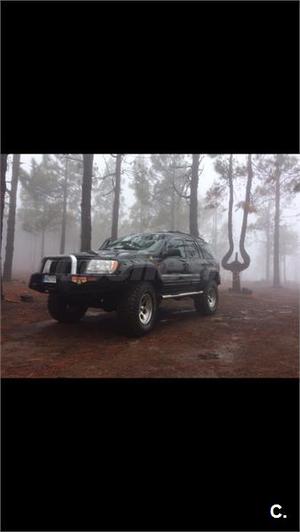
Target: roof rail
column 183, row 233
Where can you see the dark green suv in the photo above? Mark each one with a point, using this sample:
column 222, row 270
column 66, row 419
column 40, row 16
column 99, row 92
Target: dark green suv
column 130, row 275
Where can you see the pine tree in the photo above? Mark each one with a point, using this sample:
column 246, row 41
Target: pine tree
column 11, row 222
column 104, row 185
column 280, row 174
column 116, row 201
column 70, row 176
column 289, row 245
column 86, row 226
column 189, row 189
column 3, row 191
column 142, row 211
column 229, row 170
column 170, row 209
column 3, row 187
column 263, row 223
column 41, row 199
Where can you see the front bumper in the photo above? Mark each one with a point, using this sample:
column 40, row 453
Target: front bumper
column 68, row 281
column 77, row 285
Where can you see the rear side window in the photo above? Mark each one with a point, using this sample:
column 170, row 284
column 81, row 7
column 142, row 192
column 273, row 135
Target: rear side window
column 178, row 244
column 191, row 249
column 206, row 251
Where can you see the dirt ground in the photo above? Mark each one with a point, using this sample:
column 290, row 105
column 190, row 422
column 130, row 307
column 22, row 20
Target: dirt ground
column 249, row 336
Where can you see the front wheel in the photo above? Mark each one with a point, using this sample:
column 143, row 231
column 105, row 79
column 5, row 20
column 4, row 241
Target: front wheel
column 207, row 303
column 63, row 311
column 138, row 309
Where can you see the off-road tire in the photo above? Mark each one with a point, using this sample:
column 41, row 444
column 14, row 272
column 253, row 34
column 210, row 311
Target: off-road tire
column 61, row 310
column 129, row 309
column 203, row 302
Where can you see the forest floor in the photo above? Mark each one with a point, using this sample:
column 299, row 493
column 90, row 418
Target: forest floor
column 250, row 336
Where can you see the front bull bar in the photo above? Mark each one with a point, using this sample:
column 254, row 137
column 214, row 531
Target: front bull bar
column 54, row 257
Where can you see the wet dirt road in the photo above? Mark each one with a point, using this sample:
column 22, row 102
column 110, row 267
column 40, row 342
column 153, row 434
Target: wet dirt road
column 250, row 336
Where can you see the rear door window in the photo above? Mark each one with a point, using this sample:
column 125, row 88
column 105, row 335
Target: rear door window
column 177, row 243
column 191, row 250
column 207, row 253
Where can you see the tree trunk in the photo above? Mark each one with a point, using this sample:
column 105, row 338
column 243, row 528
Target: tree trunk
column 11, row 222
column 194, row 231
column 116, row 205
column 236, row 266
column 236, row 279
column 284, row 268
column 230, row 207
column 86, row 224
column 43, row 243
column 3, row 190
column 276, row 263
column 244, row 253
column 33, row 254
column 297, row 268
column 172, row 209
column 173, row 199
column 3, row 187
column 64, row 213
column 268, row 243
column 215, row 231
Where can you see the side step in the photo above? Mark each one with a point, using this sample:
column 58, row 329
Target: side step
column 184, row 294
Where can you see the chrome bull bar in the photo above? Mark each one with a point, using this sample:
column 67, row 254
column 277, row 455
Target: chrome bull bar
column 54, row 257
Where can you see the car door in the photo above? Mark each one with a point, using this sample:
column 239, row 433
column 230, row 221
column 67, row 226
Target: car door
column 195, row 264
column 174, row 269
column 207, row 263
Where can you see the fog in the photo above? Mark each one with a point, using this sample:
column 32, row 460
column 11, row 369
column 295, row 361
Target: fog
column 145, row 206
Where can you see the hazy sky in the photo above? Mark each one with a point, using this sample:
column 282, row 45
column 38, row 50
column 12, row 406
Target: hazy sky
column 205, row 181
column 290, row 215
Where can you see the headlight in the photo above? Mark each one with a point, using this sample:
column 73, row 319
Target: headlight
column 101, row 266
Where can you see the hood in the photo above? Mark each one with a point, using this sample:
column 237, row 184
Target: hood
column 117, row 254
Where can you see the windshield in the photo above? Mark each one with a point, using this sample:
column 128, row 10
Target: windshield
column 142, row 242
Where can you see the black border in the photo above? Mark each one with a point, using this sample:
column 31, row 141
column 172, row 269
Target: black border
column 150, row 77
column 59, row 436
column 149, row 454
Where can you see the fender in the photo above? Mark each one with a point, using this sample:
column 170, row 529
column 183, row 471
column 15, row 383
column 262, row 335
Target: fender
column 144, row 271
column 215, row 276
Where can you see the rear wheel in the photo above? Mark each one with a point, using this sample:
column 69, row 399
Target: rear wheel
column 63, row 311
column 138, row 309
column 207, row 303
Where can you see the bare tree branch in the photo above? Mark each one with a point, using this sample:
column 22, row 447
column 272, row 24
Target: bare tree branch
column 185, row 196
column 107, row 193
column 73, row 159
column 106, row 176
